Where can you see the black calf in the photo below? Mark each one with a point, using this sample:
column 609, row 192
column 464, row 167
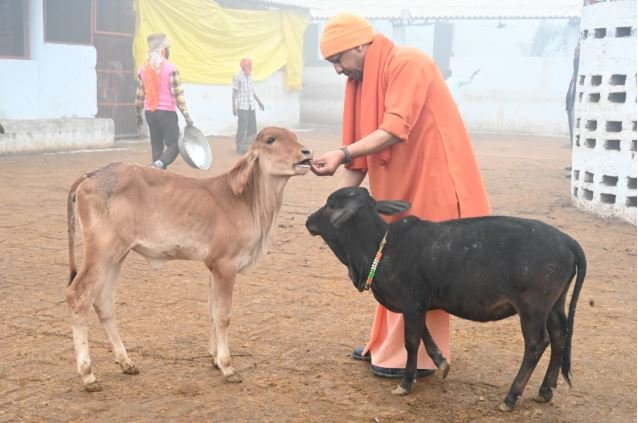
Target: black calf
column 481, row 269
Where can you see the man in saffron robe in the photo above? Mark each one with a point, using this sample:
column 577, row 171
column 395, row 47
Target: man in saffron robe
column 403, row 130
column 159, row 94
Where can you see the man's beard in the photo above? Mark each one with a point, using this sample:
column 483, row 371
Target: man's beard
column 355, row 76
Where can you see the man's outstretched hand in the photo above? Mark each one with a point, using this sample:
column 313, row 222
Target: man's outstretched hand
column 327, row 164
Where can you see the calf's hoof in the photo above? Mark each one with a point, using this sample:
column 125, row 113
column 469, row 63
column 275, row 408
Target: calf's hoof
column 544, row 395
column 93, row 386
column 509, row 402
column 400, row 390
column 444, row 369
column 129, row 369
column 506, row 408
column 233, row 378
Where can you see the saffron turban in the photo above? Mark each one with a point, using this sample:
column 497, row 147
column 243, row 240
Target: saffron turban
column 343, row 32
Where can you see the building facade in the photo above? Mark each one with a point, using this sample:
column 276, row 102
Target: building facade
column 48, row 95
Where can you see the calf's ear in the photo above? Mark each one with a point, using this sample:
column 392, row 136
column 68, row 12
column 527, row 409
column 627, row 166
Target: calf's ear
column 339, row 216
column 392, row 207
column 240, row 176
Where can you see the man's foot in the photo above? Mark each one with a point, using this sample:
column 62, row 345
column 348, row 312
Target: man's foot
column 358, row 354
column 397, row 373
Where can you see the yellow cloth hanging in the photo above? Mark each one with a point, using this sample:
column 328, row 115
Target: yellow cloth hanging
column 207, row 41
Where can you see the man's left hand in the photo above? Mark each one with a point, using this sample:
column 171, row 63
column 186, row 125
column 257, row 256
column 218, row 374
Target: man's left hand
column 261, row 105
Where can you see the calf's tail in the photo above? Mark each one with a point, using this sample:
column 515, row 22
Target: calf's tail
column 581, row 270
column 70, row 215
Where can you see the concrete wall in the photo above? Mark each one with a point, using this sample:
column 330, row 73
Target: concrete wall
column 210, row 106
column 39, row 135
column 525, row 69
column 604, row 154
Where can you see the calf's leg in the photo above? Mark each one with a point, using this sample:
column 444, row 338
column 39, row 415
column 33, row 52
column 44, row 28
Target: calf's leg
column 413, row 324
column 105, row 309
column 223, row 281
column 435, row 354
column 212, row 343
column 533, row 325
column 79, row 297
column 557, row 329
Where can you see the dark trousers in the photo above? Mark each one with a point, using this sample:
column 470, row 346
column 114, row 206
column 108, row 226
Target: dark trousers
column 570, row 122
column 246, row 128
column 164, row 132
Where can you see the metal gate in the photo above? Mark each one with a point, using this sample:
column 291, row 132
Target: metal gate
column 116, row 80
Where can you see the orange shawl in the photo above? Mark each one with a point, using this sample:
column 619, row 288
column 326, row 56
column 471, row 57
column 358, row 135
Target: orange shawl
column 363, row 106
column 152, row 79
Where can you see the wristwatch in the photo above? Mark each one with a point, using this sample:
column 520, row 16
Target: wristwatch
column 347, row 158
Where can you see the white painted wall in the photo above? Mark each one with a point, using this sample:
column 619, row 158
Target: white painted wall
column 604, row 159
column 210, row 106
column 56, row 81
column 526, row 66
column 525, row 95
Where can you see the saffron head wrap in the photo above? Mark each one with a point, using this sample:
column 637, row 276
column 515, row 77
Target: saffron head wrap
column 343, row 32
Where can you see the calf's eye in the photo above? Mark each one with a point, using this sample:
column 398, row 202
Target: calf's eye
column 270, row 140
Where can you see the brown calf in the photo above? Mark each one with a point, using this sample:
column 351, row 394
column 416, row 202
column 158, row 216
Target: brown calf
column 224, row 221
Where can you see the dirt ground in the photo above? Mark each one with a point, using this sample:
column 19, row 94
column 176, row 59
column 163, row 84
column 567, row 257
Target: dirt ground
column 296, row 316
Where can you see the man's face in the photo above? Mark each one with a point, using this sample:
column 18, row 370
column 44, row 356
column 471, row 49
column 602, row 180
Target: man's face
column 349, row 63
column 247, row 69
